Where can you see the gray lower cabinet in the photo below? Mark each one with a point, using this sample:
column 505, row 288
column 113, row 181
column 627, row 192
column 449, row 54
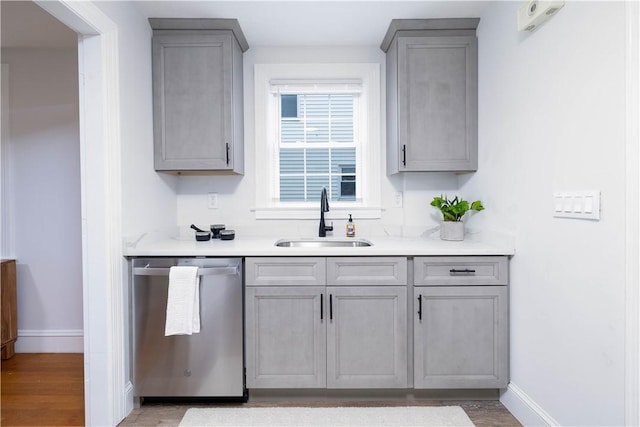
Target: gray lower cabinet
column 342, row 322
column 461, row 329
column 285, row 337
column 197, row 95
column 305, row 334
column 367, row 337
column 432, row 95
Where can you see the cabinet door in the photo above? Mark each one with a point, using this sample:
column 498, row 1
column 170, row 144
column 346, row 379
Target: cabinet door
column 192, row 100
column 437, row 103
column 460, row 337
column 285, row 337
column 367, row 337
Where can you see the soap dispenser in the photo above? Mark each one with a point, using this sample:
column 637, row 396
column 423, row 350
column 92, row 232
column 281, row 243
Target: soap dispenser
column 351, row 227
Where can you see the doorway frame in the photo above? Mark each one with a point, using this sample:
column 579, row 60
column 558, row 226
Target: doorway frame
column 108, row 393
column 632, row 226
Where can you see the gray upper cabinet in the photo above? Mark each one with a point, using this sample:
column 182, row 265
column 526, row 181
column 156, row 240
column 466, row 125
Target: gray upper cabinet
column 432, row 95
column 197, row 95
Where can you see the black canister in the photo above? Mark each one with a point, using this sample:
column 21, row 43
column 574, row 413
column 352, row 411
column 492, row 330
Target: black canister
column 202, row 236
column 227, row 234
column 215, row 230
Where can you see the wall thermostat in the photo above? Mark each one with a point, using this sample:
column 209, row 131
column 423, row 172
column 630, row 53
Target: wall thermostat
column 534, row 12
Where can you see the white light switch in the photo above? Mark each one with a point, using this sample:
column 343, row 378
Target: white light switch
column 558, row 200
column 568, row 203
column 576, row 204
column 588, row 204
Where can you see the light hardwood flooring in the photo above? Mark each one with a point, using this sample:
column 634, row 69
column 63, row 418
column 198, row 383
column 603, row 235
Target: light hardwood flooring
column 48, row 390
column 42, row 390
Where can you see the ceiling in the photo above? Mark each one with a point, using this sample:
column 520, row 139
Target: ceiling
column 313, row 23
column 26, row 25
column 264, row 22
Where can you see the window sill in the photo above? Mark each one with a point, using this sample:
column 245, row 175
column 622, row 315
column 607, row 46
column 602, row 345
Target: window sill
column 314, row 213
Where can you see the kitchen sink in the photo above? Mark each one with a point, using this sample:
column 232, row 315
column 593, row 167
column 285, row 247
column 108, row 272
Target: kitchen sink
column 321, row 243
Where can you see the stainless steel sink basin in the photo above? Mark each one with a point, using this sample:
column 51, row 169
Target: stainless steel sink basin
column 321, row 243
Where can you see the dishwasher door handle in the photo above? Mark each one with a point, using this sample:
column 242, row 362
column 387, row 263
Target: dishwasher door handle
column 202, row 271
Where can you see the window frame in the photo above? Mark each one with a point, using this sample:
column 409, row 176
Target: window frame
column 267, row 110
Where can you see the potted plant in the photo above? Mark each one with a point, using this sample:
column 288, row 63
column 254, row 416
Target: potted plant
column 452, row 227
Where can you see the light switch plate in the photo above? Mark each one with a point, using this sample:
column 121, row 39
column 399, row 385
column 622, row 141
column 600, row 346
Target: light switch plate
column 212, row 200
column 577, row 204
column 398, row 199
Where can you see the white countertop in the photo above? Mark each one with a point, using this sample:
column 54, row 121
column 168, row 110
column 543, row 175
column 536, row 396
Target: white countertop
column 184, row 244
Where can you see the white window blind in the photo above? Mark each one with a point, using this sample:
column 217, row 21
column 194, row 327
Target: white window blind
column 347, row 86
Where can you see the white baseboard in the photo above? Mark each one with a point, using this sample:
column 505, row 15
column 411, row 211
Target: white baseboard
column 50, row 341
column 128, row 397
column 525, row 409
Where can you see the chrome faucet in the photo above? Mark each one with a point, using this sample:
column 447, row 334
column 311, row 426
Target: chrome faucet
column 324, row 207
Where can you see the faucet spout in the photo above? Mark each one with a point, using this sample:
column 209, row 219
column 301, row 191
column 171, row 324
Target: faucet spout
column 324, row 207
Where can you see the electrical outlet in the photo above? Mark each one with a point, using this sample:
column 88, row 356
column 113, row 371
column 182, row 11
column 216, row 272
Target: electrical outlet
column 213, row 200
column 398, row 199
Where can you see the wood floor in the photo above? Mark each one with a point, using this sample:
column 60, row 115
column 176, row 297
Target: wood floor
column 42, row 390
column 48, row 390
column 482, row 413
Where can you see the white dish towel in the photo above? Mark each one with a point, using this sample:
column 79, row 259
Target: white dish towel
column 183, row 301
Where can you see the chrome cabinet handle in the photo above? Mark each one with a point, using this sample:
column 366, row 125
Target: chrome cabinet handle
column 202, row 271
column 227, row 149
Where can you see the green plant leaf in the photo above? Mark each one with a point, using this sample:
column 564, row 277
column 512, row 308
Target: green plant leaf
column 456, row 208
column 477, row 206
column 437, row 202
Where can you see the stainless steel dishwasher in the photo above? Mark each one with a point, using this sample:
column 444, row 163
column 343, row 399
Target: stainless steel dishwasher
column 206, row 364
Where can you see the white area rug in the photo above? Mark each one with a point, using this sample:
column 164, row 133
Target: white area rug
column 340, row 416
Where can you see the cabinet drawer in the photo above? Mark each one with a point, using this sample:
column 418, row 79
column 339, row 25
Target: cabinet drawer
column 285, row 271
column 447, row 271
column 367, row 271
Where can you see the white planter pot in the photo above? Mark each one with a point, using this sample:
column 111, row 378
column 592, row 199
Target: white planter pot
column 452, row 230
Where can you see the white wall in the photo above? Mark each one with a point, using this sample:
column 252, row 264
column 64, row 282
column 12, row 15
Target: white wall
column 148, row 198
column 43, row 198
column 552, row 117
column 236, row 194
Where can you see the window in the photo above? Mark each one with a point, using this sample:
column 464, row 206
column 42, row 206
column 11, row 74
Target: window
column 317, row 126
column 317, row 147
column 289, row 106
